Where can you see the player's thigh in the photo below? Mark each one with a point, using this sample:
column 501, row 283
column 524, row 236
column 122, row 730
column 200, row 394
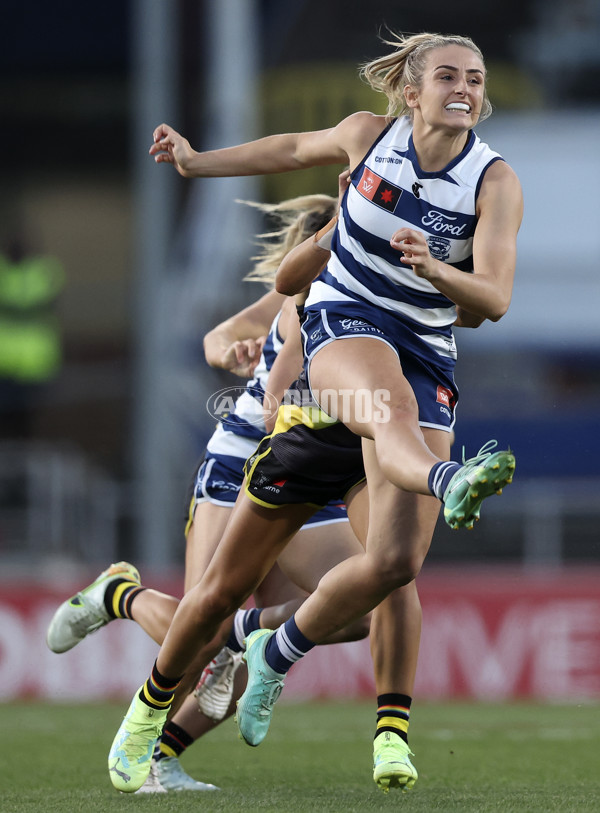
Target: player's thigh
column 252, row 542
column 315, row 550
column 202, row 540
column 350, row 370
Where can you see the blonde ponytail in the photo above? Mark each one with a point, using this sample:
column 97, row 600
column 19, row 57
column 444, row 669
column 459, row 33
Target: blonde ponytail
column 406, row 64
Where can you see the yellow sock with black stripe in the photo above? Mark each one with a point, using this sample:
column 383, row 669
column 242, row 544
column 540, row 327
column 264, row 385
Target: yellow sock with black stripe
column 119, row 596
column 158, row 691
column 393, row 713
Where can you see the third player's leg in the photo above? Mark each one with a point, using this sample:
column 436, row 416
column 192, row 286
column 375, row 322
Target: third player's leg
column 395, row 639
column 314, row 551
column 401, row 525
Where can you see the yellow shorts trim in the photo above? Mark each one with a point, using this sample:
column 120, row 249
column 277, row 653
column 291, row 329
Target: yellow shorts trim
column 190, row 519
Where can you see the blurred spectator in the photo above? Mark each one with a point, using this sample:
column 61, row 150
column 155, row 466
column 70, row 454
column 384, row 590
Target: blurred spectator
column 30, row 342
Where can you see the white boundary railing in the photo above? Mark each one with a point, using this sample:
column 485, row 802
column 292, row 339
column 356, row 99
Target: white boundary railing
column 54, row 503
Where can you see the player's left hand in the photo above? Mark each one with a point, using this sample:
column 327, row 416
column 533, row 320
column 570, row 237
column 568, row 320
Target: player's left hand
column 415, row 251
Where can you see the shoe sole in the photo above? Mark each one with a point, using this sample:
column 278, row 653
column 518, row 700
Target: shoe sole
column 495, row 473
column 402, row 777
column 402, row 782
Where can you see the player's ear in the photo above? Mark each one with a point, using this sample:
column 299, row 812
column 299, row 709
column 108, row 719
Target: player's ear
column 411, row 96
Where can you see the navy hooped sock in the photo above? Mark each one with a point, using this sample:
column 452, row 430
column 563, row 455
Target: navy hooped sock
column 286, row 646
column 245, row 622
column 440, row 475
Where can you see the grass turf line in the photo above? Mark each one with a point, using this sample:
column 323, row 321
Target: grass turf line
column 470, row 757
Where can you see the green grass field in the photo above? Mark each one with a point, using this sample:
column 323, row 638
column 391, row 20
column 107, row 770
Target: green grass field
column 317, row 757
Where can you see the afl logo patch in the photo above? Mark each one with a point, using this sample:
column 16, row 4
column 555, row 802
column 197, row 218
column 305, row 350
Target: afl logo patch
column 379, row 191
column 445, row 396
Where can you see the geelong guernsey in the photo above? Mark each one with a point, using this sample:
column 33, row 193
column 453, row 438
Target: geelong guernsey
column 390, row 191
column 239, row 431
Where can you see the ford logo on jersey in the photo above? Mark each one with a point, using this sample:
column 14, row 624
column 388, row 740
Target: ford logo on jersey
column 441, row 222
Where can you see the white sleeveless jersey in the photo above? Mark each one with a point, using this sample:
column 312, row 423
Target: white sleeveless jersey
column 239, row 432
column 390, row 191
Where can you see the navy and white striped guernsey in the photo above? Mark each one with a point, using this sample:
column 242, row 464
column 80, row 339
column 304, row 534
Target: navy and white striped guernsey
column 245, row 422
column 390, row 191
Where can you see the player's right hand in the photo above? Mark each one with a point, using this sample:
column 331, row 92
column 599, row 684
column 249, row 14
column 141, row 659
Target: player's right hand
column 170, row 147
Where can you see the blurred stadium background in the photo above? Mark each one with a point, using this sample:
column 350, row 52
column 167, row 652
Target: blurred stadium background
column 96, row 451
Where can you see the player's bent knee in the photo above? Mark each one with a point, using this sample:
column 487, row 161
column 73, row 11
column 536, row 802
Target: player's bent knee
column 398, row 568
column 217, row 603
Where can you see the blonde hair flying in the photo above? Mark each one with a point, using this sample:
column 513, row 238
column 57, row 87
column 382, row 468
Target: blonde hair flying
column 406, row 65
column 295, row 220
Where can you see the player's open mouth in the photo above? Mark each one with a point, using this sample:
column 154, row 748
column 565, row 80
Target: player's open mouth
column 465, row 108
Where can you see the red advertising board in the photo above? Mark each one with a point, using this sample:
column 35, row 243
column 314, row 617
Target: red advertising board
column 487, row 634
